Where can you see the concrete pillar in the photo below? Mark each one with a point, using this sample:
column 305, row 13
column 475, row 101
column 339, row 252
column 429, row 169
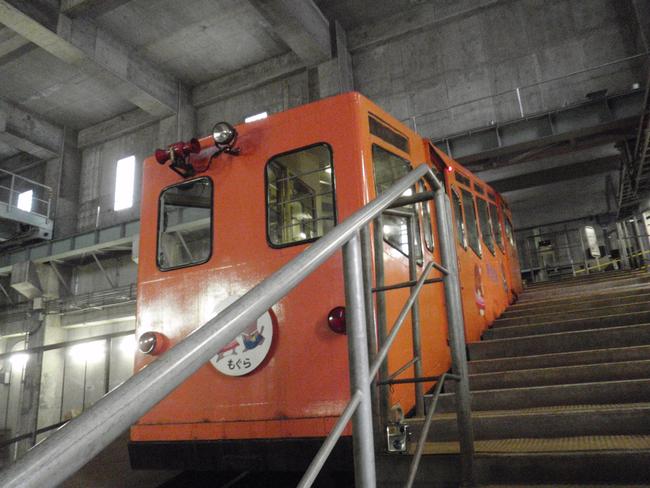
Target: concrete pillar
column 182, row 125
column 31, row 385
column 335, row 75
column 63, row 175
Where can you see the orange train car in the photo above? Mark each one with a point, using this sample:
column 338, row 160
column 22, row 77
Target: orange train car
column 239, row 205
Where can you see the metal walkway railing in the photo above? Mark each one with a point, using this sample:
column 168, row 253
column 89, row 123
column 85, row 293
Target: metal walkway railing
column 68, row 449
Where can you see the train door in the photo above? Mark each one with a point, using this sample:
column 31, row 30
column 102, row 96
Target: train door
column 392, row 155
column 469, row 259
column 496, row 288
column 511, row 251
column 504, row 264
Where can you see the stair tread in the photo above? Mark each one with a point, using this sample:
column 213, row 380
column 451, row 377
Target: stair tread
column 547, row 409
column 564, row 385
column 563, row 354
column 544, row 445
column 571, row 320
column 504, row 320
column 537, row 336
column 640, row 362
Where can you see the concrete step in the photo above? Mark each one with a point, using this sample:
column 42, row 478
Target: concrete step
column 593, row 311
column 602, row 392
column 596, row 356
column 547, row 469
column 585, row 303
column 582, row 340
column 581, row 279
column 550, row 422
column 606, row 321
column 585, row 373
column 533, row 296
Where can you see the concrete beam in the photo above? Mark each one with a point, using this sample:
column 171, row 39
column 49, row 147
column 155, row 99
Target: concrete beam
column 246, row 79
column 81, row 43
column 10, row 42
column 89, row 8
column 524, row 137
column 115, row 127
column 301, row 25
column 554, row 175
column 28, row 132
column 177, row 127
column 71, row 247
column 420, row 17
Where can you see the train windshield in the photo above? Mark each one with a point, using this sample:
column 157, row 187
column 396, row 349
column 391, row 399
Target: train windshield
column 484, row 221
column 300, row 195
column 470, row 220
column 388, row 168
column 185, row 224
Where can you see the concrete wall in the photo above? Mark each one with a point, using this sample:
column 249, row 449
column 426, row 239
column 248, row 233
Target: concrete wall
column 459, row 75
column 446, row 78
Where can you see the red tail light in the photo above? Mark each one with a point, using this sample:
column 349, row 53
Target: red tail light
column 336, row 320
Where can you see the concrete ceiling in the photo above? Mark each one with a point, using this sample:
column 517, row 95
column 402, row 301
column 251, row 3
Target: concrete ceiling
column 354, row 13
column 196, row 40
column 113, row 59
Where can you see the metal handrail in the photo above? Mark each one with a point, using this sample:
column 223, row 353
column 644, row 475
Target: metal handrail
column 52, row 461
column 319, row 460
column 69, row 448
column 415, row 462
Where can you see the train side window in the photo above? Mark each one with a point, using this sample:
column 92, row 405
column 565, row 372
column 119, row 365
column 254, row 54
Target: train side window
column 458, row 216
column 496, row 225
column 185, row 224
column 299, row 195
column 484, row 223
column 428, row 227
column 470, row 220
column 388, row 168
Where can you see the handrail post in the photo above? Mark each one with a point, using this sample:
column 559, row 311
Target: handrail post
column 415, row 318
column 622, row 247
column 371, row 329
column 639, row 240
column 456, row 335
column 382, row 327
column 362, row 436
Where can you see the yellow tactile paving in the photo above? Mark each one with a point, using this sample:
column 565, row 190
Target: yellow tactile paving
column 559, row 444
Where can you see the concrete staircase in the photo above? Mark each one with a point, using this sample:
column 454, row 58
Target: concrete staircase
column 560, row 391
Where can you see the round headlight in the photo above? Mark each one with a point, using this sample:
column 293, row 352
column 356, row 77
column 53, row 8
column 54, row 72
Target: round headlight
column 152, row 343
column 223, row 133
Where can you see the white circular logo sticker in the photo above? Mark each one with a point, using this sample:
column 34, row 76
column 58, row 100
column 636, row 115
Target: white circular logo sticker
column 247, row 351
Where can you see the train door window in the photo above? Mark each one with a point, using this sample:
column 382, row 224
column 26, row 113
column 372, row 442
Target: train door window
column 458, row 216
column 428, row 226
column 300, row 195
column 510, row 233
column 485, row 224
column 185, row 224
column 470, row 221
column 496, row 225
column 388, row 168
